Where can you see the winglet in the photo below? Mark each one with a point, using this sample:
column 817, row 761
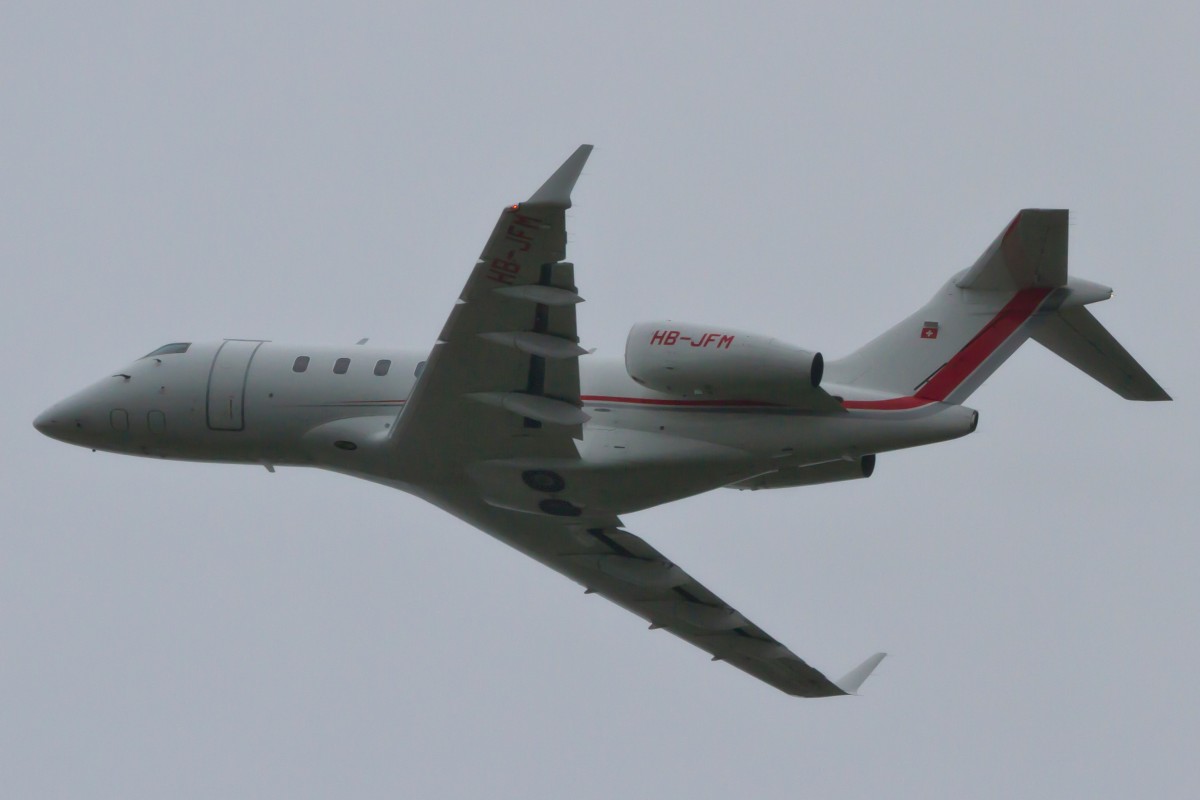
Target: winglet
column 557, row 190
column 855, row 677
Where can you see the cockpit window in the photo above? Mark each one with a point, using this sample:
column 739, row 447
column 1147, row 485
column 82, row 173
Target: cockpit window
column 169, row 349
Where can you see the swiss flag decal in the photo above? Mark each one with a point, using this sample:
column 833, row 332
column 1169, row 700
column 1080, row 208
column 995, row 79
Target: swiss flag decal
column 929, row 330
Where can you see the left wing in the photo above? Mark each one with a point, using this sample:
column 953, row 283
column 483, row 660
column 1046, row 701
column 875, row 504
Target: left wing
column 609, row 561
column 503, row 378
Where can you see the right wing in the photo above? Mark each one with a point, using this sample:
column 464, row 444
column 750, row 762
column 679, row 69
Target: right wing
column 609, row 561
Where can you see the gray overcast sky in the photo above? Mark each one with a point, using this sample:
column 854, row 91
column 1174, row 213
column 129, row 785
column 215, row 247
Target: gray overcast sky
column 185, row 171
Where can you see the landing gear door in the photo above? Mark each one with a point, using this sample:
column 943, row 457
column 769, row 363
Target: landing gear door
column 227, row 384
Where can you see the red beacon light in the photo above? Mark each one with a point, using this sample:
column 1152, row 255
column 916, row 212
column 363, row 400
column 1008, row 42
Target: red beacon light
column 515, row 207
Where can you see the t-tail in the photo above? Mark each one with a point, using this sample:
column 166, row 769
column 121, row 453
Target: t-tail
column 1018, row 289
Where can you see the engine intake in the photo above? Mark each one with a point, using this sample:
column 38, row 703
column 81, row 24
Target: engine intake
column 710, row 362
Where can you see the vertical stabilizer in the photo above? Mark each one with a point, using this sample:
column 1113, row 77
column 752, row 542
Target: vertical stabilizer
column 1018, row 288
column 1030, row 253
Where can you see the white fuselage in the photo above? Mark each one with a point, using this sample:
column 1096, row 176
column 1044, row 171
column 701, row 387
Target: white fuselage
column 249, row 402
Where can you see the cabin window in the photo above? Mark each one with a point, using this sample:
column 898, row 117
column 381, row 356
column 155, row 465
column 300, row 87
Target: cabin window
column 420, row 368
column 340, row 366
column 382, row 366
column 301, row 364
column 170, row 349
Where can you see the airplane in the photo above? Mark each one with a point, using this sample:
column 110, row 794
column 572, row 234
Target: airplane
column 506, row 425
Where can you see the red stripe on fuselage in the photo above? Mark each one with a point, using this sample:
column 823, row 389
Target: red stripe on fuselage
column 1022, row 306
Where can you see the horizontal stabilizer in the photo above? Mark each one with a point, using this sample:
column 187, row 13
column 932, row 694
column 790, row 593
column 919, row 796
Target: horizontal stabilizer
column 1079, row 338
column 1030, row 253
column 851, row 682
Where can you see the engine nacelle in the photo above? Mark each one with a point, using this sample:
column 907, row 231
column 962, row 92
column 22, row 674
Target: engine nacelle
column 707, row 362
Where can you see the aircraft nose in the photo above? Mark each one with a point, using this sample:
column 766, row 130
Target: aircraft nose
column 46, row 422
column 61, row 421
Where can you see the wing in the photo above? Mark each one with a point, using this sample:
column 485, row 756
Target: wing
column 609, row 561
column 499, row 397
column 503, row 377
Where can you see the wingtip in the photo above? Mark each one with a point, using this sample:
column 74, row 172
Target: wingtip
column 854, row 679
column 556, row 191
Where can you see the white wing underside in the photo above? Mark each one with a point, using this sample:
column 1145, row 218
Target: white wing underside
column 609, row 561
column 501, row 386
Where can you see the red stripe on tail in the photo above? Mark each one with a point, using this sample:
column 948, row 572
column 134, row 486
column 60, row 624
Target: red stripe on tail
column 994, row 334
column 1014, row 314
